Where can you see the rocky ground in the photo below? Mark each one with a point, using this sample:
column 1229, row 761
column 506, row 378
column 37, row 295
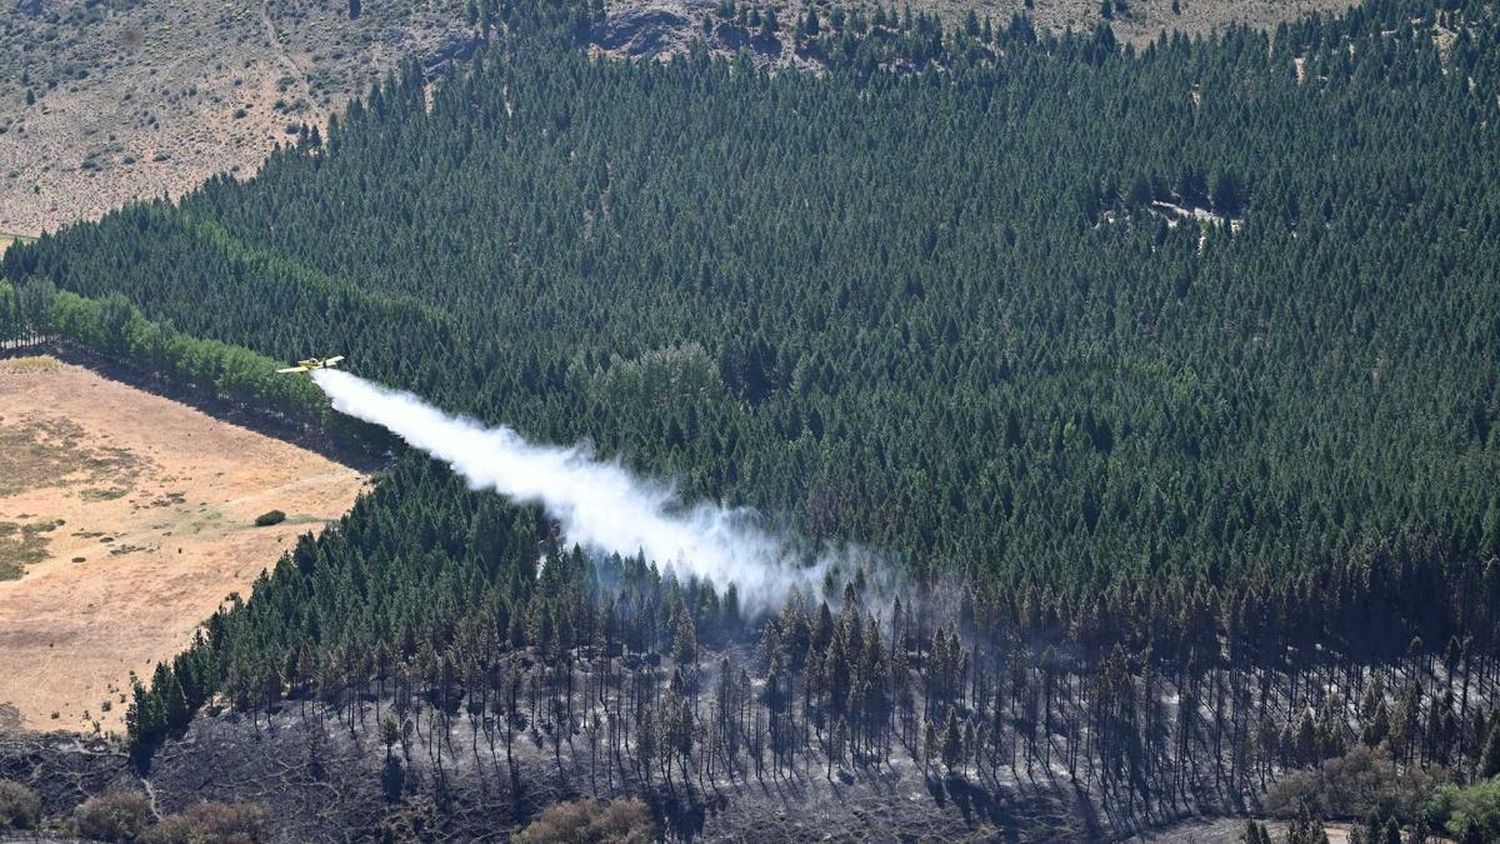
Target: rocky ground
column 665, row 27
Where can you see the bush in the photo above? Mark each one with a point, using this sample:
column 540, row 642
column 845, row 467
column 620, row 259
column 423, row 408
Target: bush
column 1470, row 814
column 20, row 808
column 275, row 517
column 1354, row 785
column 592, row 821
column 112, row 816
column 223, row 823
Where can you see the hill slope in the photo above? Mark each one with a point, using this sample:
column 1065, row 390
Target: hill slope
column 105, row 102
column 102, row 103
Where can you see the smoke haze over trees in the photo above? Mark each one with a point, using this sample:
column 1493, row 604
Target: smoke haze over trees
column 600, row 505
column 971, row 343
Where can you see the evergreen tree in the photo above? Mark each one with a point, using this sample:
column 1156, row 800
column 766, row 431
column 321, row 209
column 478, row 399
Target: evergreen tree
column 684, row 640
column 1489, row 761
column 952, row 742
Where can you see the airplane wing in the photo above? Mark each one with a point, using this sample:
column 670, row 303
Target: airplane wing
column 293, row 369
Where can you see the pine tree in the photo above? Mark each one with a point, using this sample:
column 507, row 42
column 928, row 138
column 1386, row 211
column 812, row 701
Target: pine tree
column 838, row 740
column 144, row 721
column 769, row 25
column 953, row 742
column 1489, row 761
column 1379, row 726
column 1305, row 830
column 168, row 695
column 685, row 639
column 929, row 746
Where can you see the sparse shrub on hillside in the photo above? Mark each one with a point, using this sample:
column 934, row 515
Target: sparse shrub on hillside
column 112, row 816
column 274, row 517
column 20, row 808
column 593, row 821
column 223, row 823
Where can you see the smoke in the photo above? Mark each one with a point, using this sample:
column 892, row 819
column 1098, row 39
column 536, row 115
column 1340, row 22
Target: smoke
column 600, row 505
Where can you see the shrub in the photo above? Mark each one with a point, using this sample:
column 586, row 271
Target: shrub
column 592, row 821
column 112, row 816
column 1470, row 814
column 275, row 517
column 19, row 806
column 1353, row 785
column 223, row 823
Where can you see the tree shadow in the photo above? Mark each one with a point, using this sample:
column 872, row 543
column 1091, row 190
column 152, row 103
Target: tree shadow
column 680, row 814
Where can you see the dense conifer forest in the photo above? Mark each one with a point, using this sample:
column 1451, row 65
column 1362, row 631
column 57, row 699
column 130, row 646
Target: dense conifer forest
column 1166, row 378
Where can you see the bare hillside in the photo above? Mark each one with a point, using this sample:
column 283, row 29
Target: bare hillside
column 102, row 102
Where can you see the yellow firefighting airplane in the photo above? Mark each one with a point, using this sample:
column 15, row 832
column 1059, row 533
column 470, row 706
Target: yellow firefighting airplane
column 313, row 363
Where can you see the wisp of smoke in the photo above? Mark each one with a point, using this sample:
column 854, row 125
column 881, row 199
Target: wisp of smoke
column 600, row 505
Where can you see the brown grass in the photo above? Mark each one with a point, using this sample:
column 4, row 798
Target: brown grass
column 129, row 518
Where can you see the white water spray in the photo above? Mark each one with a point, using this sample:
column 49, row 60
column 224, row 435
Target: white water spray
column 600, row 505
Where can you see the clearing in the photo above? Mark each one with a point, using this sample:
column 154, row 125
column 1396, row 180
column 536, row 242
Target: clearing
column 125, row 519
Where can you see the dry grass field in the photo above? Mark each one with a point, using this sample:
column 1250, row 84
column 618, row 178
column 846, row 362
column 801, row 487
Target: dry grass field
column 125, row 519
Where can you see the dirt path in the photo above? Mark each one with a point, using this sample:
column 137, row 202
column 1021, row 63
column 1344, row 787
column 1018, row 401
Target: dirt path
column 268, row 26
column 130, row 518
